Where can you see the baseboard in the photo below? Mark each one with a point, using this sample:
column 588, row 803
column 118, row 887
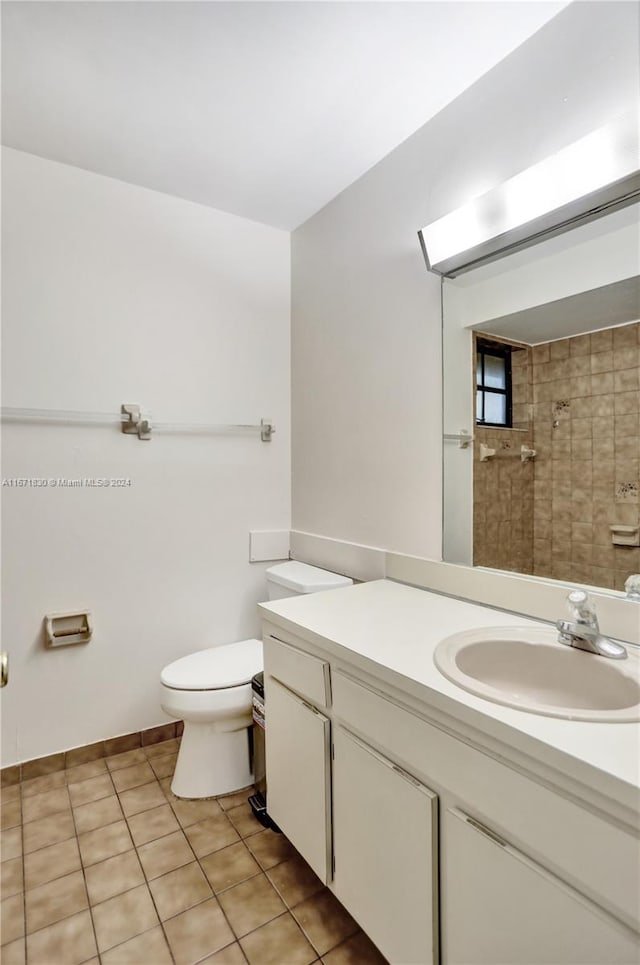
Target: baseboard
column 40, row 766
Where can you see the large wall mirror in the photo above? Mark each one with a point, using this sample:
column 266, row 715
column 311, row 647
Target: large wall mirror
column 542, row 368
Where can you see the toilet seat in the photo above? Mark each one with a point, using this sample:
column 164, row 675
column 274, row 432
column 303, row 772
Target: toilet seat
column 217, row 668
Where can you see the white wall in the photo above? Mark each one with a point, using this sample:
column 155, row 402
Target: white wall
column 365, row 313
column 113, row 294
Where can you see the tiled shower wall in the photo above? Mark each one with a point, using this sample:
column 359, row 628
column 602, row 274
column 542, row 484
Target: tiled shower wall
column 553, row 517
column 586, row 426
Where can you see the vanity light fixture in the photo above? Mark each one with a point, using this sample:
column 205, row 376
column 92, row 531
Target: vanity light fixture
column 591, row 177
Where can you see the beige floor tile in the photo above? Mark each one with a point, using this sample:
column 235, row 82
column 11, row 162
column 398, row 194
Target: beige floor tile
column 229, row 867
column 231, row 955
column 11, row 843
column 276, row 942
column 47, row 831
column 142, row 798
column 149, row 825
column 236, row 799
column 244, row 820
column 84, row 772
column 179, row 890
column 269, row 848
column 50, row 863
column 85, row 792
column 165, row 854
column 113, row 876
column 11, row 814
column 14, row 953
column 68, row 942
column 136, row 756
column 165, row 784
column 163, row 766
column 198, row 932
column 211, row 835
column 123, row 917
column 135, row 776
column 42, row 805
column 150, row 947
column 12, row 918
column 191, row 812
column 45, row 783
column 104, row 842
column 11, row 877
column 294, row 881
column 251, row 904
column 58, row 899
column 162, row 749
column 97, row 814
column 357, row 950
column 324, row 921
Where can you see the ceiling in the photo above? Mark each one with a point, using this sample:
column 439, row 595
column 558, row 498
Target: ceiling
column 266, row 110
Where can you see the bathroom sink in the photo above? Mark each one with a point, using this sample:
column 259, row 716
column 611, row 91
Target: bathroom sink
column 528, row 669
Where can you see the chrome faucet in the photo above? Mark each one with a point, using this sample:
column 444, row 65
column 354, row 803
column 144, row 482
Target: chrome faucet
column 582, row 630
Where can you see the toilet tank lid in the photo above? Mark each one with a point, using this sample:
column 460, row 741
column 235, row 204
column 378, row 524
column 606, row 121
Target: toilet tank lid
column 305, row 578
column 230, row 665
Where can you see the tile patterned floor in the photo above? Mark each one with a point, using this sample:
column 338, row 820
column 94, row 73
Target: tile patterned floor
column 102, row 864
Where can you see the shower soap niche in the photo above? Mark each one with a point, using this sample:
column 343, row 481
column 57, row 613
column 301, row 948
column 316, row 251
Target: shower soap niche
column 625, row 535
column 64, row 629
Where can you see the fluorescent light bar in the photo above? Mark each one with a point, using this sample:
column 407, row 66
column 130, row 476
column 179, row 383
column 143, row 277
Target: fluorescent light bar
column 593, row 176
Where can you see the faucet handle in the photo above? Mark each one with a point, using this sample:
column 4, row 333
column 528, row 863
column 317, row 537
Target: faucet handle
column 582, row 608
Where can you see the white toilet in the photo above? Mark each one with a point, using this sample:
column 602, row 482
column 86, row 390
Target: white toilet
column 211, row 692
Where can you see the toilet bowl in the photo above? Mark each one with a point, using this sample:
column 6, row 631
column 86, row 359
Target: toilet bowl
column 210, row 690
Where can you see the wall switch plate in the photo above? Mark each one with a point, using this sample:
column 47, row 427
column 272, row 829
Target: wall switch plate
column 268, row 545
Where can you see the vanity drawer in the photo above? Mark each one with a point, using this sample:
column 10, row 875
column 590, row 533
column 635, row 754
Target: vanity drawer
column 307, row 676
column 590, row 853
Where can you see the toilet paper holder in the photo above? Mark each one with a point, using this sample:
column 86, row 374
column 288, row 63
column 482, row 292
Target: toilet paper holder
column 64, row 629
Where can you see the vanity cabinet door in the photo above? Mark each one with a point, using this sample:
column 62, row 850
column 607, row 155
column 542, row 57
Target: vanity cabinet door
column 501, row 908
column 297, row 752
column 385, row 847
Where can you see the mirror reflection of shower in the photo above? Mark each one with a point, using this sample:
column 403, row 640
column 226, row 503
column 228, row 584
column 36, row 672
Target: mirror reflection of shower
column 556, row 474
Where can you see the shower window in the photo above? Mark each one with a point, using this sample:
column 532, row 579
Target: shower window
column 493, row 384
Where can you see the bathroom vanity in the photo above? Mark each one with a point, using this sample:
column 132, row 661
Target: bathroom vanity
column 453, row 829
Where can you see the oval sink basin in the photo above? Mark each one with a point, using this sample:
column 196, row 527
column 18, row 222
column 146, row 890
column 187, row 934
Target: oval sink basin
column 528, row 669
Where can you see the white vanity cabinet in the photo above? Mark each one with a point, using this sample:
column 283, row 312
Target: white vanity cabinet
column 446, row 850
column 298, row 751
column 385, row 842
column 501, row 908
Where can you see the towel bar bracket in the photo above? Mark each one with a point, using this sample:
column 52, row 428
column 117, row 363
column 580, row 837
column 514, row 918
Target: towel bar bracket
column 135, row 425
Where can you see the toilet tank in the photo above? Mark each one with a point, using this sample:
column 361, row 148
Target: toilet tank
column 293, row 579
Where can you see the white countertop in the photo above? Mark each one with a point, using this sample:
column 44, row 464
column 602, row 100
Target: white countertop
column 390, row 631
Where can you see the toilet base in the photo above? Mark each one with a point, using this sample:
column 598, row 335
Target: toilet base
column 210, row 762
